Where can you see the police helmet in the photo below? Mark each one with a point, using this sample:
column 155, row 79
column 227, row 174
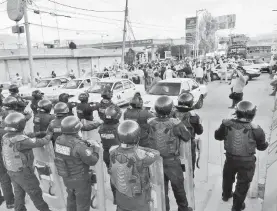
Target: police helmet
column 71, row 125
column 13, row 88
column 185, row 100
column 37, row 94
column 163, row 105
column 246, row 111
column 15, row 122
column 10, row 102
column 61, row 109
column 107, row 93
column 45, row 106
column 136, row 102
column 128, row 132
column 112, row 113
column 83, row 97
column 64, row 97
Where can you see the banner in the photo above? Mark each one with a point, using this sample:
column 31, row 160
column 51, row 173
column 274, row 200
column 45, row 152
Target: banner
column 226, row 21
column 191, row 29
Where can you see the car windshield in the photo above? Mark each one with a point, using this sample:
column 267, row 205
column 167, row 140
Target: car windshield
column 258, row 62
column 73, row 84
column 165, row 88
column 99, row 86
column 98, row 75
column 43, row 83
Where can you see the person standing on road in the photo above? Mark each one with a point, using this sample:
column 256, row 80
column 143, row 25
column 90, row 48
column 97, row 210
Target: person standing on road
column 74, row 157
column 199, row 73
column 129, row 169
column 140, row 115
column 165, row 135
column 14, row 92
column 109, row 136
column 238, row 87
column 224, row 76
column 155, row 80
column 184, row 112
column 169, row 73
column 241, row 138
column 18, row 159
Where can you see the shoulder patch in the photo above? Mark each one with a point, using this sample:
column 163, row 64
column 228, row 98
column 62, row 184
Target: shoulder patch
column 193, row 113
column 88, row 152
column 113, row 148
column 141, row 153
column 254, row 126
column 175, row 121
column 227, row 122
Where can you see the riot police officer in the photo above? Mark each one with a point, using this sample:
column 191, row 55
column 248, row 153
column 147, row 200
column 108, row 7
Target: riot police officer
column 84, row 109
column 184, row 112
column 165, row 136
column 241, row 138
column 18, row 159
column 61, row 111
column 107, row 95
column 108, row 134
column 37, row 95
column 74, row 156
column 131, row 162
column 64, row 98
column 138, row 114
column 14, row 92
column 43, row 117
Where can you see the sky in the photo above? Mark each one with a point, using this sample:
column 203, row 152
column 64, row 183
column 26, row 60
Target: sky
column 149, row 18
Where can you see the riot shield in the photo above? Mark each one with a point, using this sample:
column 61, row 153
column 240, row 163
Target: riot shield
column 51, row 183
column 157, row 182
column 93, row 134
column 186, row 158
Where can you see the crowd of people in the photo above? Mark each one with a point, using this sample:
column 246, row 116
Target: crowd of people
column 130, row 146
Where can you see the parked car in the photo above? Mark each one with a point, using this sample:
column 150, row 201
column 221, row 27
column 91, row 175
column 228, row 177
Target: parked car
column 260, row 64
column 123, row 91
column 173, row 88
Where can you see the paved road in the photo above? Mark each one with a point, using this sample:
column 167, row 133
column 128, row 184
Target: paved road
column 207, row 181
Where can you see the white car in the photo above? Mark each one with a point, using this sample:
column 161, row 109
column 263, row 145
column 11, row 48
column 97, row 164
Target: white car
column 173, row 88
column 107, row 74
column 77, row 86
column 258, row 64
column 123, row 91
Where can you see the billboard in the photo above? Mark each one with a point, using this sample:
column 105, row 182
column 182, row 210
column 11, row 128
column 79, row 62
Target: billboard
column 191, row 29
column 226, row 21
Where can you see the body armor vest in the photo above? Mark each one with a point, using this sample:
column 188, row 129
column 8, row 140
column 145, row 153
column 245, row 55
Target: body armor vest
column 41, row 121
column 239, row 140
column 102, row 107
column 108, row 134
column 127, row 172
column 13, row 159
column 162, row 137
column 184, row 117
column 84, row 111
column 140, row 116
column 69, row 166
column 56, row 128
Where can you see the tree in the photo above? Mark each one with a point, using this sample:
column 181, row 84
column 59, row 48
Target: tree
column 161, row 50
column 207, row 29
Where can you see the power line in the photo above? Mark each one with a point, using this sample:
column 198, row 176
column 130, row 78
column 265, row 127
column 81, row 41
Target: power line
column 78, row 8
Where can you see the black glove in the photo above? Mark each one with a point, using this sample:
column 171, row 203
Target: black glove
column 183, row 167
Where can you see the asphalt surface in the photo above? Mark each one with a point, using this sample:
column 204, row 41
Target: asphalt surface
column 208, row 177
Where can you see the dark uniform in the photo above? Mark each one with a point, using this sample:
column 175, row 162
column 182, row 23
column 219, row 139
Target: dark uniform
column 190, row 119
column 141, row 116
column 241, row 138
column 74, row 156
column 36, row 97
column 85, row 109
column 165, row 136
column 109, row 136
column 21, row 103
column 129, row 169
column 18, row 159
column 64, row 98
column 43, row 117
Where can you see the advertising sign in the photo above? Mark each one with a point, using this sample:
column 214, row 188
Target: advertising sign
column 226, row 21
column 191, row 24
column 167, row 54
column 190, row 37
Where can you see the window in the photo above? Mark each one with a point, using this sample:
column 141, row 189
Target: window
column 193, row 84
column 55, row 82
column 185, row 87
column 106, row 75
column 118, row 87
column 126, row 85
column 63, row 80
column 85, row 84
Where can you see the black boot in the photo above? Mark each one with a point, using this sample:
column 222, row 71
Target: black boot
column 242, row 207
column 226, row 198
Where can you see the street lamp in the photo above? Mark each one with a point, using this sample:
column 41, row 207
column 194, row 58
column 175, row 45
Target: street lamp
column 103, row 35
column 197, row 32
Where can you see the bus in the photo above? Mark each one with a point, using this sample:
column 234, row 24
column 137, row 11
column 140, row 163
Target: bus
column 259, row 52
column 237, row 51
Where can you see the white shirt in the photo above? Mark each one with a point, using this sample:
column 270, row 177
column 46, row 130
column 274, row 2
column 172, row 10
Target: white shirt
column 199, row 72
column 224, row 67
column 168, row 74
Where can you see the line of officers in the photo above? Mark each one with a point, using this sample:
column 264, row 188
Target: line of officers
column 130, row 147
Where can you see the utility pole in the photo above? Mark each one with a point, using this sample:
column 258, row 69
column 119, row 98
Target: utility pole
column 124, row 34
column 31, row 62
column 197, row 32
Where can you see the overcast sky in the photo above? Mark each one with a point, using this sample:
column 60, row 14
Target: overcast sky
column 150, row 18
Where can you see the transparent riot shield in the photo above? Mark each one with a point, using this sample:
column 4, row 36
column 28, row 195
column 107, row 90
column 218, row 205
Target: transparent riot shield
column 53, row 189
column 157, row 181
column 186, row 158
column 93, row 134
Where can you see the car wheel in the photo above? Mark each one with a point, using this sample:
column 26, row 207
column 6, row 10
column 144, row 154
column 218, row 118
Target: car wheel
column 214, row 77
column 200, row 102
